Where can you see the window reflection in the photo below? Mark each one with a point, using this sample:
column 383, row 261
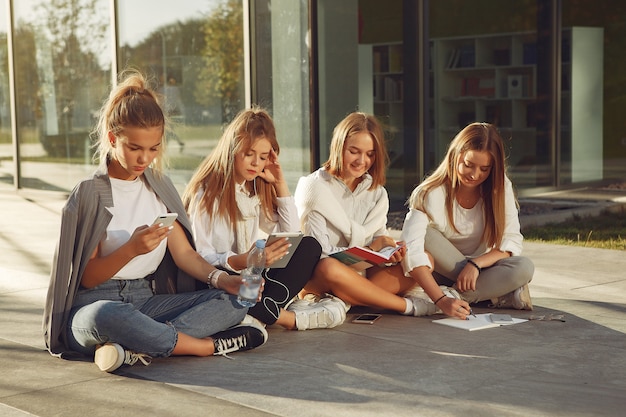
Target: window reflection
column 6, row 149
column 194, row 52
column 62, row 72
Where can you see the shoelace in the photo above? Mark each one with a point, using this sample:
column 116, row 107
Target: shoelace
column 232, row 344
column 130, row 358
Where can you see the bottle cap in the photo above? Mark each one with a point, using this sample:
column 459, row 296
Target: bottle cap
column 260, row 243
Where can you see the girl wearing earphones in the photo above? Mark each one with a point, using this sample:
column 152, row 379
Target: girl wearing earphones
column 239, row 194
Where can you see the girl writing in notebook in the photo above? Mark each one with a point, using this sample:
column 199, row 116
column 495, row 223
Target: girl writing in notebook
column 463, row 227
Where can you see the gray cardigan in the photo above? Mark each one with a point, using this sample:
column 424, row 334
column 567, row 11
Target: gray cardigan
column 83, row 224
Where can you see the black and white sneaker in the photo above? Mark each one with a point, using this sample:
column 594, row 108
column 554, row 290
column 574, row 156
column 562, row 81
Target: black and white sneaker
column 248, row 334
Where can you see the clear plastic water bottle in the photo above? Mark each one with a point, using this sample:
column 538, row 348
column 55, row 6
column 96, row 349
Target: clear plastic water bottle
column 252, row 275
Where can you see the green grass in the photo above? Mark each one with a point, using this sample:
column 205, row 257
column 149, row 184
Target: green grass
column 607, row 231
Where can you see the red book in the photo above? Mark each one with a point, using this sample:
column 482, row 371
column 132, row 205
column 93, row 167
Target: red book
column 360, row 258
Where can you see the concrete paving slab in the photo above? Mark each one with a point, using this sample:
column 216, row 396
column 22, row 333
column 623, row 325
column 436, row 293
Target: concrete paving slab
column 400, row 366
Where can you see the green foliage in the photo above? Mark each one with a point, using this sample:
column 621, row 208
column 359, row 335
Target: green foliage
column 606, row 231
column 220, row 78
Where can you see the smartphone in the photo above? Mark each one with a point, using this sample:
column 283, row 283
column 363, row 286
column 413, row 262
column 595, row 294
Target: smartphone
column 366, row 318
column 501, row 318
column 166, row 219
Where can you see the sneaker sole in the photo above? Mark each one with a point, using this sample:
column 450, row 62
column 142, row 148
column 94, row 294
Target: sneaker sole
column 109, row 357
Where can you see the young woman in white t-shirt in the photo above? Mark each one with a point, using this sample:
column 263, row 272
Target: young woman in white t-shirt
column 122, row 288
column 463, row 227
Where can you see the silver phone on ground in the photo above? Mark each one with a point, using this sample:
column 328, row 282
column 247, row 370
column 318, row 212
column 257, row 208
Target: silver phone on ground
column 368, row 318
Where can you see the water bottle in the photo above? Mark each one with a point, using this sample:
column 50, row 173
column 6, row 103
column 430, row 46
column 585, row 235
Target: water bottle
column 251, row 276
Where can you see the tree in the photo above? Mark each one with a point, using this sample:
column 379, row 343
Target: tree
column 221, row 78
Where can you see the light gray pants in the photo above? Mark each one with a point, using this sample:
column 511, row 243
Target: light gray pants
column 501, row 278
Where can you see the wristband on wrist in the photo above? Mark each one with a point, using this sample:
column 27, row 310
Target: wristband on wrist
column 439, row 299
column 213, row 278
column 471, row 261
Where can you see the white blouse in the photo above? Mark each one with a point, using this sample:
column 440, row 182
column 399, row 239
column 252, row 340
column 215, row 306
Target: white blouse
column 216, row 241
column 469, row 223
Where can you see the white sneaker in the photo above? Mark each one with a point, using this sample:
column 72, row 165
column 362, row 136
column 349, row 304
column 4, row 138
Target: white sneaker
column 518, row 299
column 423, row 306
column 450, row 292
column 111, row 356
column 415, row 291
column 326, row 313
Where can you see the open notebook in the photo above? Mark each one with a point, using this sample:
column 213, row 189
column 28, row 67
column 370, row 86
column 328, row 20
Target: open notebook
column 481, row 321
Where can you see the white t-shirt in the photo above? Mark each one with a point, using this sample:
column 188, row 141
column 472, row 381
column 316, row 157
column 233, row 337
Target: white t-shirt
column 135, row 204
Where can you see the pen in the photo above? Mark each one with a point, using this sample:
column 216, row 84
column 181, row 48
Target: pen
column 454, row 294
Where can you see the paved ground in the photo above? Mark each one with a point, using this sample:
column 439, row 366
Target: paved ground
column 400, row 366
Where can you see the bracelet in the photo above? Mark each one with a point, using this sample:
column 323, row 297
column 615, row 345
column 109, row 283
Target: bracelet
column 213, row 278
column 470, row 261
column 439, row 299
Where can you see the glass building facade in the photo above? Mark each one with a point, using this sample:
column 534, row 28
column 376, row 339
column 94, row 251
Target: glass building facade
column 548, row 73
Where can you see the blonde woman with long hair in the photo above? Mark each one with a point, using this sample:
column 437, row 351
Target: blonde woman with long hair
column 238, row 195
column 343, row 204
column 463, row 228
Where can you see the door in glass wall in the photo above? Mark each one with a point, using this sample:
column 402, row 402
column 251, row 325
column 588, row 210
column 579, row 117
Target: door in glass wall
column 593, row 92
column 7, row 168
column 62, row 74
column 193, row 50
column 488, row 66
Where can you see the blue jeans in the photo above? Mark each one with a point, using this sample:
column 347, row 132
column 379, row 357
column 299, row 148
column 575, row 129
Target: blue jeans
column 501, row 278
column 128, row 313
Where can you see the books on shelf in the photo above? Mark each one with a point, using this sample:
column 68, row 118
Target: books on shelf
column 480, row 322
column 360, row 258
column 388, row 88
column 529, row 53
column 467, row 56
column 462, row 57
column 478, row 87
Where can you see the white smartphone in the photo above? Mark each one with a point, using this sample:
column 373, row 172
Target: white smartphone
column 166, row 219
column 501, row 318
column 366, row 318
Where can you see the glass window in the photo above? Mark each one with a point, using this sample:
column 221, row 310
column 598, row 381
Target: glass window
column 7, row 169
column 360, row 68
column 594, row 90
column 281, row 78
column 62, row 71
column 485, row 67
column 194, row 50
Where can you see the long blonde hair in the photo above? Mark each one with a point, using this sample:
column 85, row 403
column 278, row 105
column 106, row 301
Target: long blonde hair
column 475, row 137
column 131, row 103
column 216, row 174
column 354, row 123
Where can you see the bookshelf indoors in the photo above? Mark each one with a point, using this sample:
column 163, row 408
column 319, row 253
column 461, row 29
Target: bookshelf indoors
column 493, row 78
